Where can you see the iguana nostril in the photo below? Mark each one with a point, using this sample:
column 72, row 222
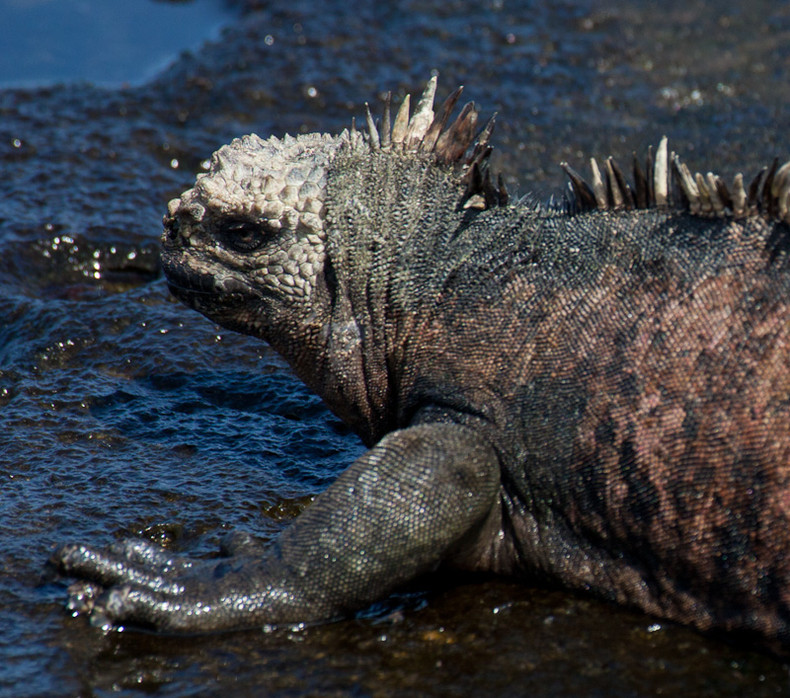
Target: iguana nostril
column 172, row 227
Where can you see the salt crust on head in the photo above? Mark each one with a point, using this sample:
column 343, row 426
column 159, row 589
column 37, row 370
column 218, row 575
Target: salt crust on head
column 277, row 182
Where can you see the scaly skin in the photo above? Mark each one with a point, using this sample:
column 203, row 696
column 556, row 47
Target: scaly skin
column 597, row 398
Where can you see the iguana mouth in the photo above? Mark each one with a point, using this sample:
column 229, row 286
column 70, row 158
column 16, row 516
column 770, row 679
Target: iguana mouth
column 186, row 293
column 226, row 300
column 200, row 289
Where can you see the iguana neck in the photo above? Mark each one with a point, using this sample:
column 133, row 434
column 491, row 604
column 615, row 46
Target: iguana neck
column 379, row 206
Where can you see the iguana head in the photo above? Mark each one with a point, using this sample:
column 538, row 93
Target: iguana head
column 251, row 231
column 247, row 245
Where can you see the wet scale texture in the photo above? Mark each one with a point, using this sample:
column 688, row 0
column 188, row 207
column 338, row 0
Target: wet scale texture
column 122, row 413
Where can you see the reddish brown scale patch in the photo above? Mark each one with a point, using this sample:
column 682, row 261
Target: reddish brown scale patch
column 684, row 436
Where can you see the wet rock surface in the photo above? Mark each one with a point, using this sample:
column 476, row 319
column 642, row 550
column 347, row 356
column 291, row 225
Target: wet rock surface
column 122, row 413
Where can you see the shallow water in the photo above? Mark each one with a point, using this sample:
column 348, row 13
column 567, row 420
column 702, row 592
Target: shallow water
column 122, row 413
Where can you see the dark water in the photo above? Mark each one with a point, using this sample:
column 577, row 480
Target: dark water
column 121, row 413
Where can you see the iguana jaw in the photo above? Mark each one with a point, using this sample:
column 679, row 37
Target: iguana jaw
column 222, row 298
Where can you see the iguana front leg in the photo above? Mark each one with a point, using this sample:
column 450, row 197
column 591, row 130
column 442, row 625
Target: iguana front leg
column 396, row 513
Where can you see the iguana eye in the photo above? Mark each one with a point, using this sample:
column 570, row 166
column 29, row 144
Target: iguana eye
column 242, row 236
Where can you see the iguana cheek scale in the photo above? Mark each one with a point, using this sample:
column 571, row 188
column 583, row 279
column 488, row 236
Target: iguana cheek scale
column 593, row 394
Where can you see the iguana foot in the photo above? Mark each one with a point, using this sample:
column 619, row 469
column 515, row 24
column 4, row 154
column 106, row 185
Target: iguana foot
column 138, row 583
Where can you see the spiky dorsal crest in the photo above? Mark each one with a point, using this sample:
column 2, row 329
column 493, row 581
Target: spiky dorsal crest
column 666, row 182
column 427, row 132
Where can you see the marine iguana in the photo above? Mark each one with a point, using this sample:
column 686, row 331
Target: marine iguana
column 594, row 395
